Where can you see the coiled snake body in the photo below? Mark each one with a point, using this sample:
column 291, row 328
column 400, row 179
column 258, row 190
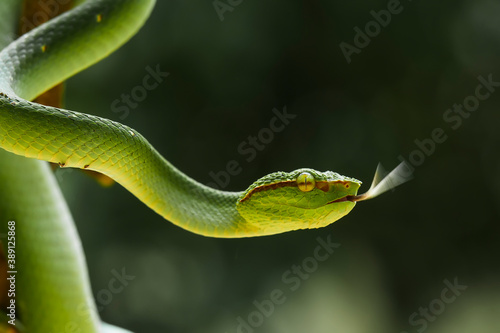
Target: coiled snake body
column 54, row 293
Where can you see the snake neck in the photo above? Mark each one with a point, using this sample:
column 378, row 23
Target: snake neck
column 184, row 201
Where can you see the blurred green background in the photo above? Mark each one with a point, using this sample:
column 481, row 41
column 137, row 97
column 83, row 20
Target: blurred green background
column 225, row 79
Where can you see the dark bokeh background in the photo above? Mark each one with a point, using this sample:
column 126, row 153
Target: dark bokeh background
column 225, row 79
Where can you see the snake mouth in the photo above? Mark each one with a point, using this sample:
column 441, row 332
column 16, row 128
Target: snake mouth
column 343, row 199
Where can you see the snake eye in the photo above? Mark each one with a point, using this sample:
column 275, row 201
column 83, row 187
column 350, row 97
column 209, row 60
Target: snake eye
column 306, row 182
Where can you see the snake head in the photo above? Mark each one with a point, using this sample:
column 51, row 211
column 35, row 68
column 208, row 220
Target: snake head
column 301, row 199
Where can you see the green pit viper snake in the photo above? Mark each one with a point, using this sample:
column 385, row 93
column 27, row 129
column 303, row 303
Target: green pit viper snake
column 48, row 55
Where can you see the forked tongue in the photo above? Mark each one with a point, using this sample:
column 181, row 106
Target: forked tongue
column 381, row 184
